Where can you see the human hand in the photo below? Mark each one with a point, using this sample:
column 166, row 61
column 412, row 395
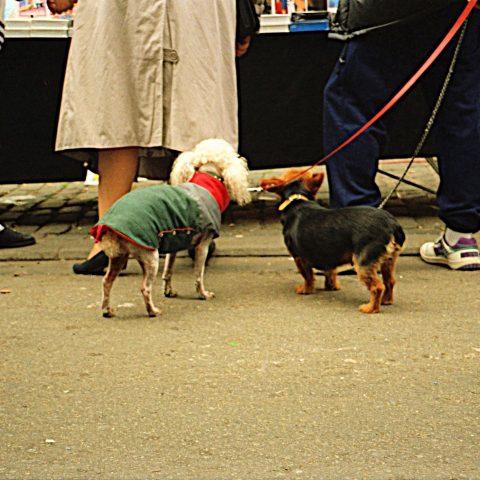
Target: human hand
column 60, row 6
column 242, row 47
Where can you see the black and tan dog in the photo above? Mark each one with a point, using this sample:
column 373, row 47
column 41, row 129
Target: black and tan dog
column 317, row 237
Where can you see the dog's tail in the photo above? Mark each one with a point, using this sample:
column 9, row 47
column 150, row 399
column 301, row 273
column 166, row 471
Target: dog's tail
column 399, row 235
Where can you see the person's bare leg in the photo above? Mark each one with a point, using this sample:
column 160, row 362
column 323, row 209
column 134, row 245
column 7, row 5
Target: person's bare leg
column 117, row 169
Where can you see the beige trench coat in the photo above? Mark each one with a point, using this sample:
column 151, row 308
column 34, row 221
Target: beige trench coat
column 150, row 73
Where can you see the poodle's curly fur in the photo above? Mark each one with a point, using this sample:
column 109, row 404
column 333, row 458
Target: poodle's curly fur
column 220, row 154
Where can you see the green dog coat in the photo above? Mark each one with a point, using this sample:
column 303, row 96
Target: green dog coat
column 165, row 217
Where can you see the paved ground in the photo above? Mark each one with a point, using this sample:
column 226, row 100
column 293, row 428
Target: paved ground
column 256, row 384
column 259, row 383
column 61, row 214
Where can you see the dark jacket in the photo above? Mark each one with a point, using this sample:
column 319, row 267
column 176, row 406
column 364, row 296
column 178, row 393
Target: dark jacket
column 355, row 17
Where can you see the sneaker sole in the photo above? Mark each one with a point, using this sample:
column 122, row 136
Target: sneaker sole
column 463, row 265
column 470, row 267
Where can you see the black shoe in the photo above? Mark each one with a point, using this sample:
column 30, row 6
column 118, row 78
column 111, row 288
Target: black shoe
column 11, row 239
column 96, row 265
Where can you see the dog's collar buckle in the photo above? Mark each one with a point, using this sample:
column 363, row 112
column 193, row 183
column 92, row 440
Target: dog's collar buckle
column 214, row 175
column 291, row 199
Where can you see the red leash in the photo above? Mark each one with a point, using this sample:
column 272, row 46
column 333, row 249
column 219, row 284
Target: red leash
column 463, row 16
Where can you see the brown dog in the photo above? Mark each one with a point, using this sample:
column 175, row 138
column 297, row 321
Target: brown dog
column 316, row 237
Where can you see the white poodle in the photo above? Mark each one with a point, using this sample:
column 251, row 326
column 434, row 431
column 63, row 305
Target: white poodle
column 170, row 218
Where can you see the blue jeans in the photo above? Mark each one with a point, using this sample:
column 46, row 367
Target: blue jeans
column 370, row 70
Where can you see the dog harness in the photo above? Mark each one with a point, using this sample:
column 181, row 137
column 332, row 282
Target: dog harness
column 165, row 217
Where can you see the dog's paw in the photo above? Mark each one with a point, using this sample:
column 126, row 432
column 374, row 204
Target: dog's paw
column 387, row 299
column 154, row 312
column 369, row 308
column 169, row 293
column 332, row 287
column 304, row 289
column 206, row 295
column 108, row 312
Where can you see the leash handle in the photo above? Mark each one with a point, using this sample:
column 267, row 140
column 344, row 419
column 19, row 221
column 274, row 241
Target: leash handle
column 452, row 32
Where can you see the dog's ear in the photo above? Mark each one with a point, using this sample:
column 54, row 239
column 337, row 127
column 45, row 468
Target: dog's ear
column 272, row 184
column 183, row 168
column 314, row 182
column 235, row 176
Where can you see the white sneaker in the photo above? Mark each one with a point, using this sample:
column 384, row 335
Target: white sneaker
column 464, row 255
